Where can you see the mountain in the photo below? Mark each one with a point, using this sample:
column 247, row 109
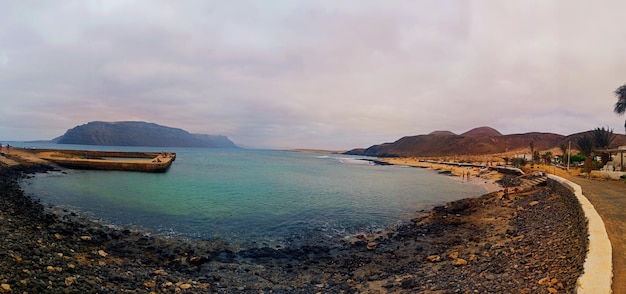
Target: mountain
column 482, row 131
column 137, row 133
column 478, row 141
column 442, row 133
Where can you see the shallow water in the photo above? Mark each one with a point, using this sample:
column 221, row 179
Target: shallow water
column 251, row 196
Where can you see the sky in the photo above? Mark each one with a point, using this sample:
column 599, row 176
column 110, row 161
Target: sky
column 321, row 74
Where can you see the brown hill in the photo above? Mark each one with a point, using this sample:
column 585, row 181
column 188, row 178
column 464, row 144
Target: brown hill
column 482, row 131
column 479, row 141
column 442, row 133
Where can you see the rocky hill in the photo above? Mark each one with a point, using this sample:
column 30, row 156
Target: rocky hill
column 136, row 133
column 478, row 141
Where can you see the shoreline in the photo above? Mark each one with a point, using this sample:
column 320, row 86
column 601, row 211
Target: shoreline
column 487, row 179
column 491, row 243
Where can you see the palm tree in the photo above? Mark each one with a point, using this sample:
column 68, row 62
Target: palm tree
column 563, row 148
column 620, row 105
column 603, row 139
column 585, row 145
column 547, row 157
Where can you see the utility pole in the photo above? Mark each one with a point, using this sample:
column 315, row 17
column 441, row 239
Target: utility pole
column 569, row 154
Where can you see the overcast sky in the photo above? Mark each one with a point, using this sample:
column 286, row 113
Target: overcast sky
column 331, row 74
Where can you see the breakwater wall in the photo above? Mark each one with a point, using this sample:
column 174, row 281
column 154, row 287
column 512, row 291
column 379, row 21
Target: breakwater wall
column 91, row 153
column 108, row 160
column 598, row 267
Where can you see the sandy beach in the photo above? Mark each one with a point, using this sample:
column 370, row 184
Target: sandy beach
column 473, row 175
column 535, row 244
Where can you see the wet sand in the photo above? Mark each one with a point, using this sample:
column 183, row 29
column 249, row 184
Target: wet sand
column 535, row 244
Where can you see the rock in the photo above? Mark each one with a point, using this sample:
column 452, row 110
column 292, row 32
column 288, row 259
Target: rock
column 371, row 245
column 533, row 203
column 185, row 286
column 204, row 286
column 552, row 282
column 460, row 262
column 544, row 281
column 433, row 258
column 454, row 255
column 160, row 272
column 69, row 281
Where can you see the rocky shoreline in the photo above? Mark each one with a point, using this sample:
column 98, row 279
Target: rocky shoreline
column 536, row 244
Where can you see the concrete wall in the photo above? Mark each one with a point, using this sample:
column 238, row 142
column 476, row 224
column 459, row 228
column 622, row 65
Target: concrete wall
column 598, row 267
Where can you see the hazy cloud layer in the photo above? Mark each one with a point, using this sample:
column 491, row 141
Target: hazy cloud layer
column 318, row 74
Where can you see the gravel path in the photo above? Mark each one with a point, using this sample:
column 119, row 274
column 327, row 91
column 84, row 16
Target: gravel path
column 609, row 199
column 536, row 244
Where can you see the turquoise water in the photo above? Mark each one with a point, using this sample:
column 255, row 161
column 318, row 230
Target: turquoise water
column 251, row 196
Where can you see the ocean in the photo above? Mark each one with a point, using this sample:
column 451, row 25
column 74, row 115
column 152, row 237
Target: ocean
column 250, row 197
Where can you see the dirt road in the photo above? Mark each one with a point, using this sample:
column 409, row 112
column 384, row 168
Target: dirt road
column 609, row 199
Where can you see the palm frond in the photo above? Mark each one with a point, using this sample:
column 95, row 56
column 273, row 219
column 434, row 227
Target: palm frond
column 621, row 93
column 620, row 107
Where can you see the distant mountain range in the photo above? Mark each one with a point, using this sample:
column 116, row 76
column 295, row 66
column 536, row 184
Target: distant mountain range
column 478, row 141
column 137, row 133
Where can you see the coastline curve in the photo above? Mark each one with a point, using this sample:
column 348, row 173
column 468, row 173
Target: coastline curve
column 598, row 267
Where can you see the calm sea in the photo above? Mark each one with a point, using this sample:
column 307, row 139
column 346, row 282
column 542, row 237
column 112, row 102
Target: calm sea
column 251, row 196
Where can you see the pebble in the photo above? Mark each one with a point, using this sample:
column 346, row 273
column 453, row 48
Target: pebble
column 149, row 284
column 433, row 258
column 69, row 281
column 460, row 262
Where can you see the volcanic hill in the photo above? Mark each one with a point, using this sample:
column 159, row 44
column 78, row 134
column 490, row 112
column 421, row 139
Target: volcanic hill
column 477, row 141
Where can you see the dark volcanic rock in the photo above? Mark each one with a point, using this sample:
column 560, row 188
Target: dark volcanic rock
column 483, row 245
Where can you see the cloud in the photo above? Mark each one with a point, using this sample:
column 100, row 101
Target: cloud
column 318, row 74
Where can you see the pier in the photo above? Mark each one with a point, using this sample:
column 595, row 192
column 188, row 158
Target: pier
column 108, row 160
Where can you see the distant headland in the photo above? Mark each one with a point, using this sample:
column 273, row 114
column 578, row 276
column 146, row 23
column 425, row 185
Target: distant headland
column 138, row 133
